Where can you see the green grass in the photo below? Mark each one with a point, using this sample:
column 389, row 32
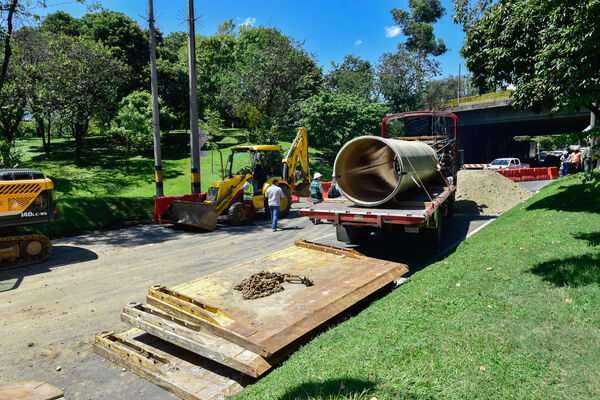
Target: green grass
column 528, row 329
column 105, row 191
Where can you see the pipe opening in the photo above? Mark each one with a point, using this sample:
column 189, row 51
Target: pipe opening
column 368, row 171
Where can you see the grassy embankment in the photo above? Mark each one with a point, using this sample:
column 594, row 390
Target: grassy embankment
column 513, row 313
column 106, row 191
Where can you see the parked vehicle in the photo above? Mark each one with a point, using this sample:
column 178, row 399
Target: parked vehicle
column 506, row 163
column 404, row 185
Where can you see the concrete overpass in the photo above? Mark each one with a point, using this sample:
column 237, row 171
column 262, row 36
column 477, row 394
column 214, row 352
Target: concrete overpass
column 489, row 123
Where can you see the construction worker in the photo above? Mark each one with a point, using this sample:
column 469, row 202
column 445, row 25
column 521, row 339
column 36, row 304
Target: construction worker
column 316, row 189
column 576, row 161
column 564, row 163
column 273, row 196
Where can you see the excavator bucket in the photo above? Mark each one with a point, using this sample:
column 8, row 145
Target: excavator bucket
column 191, row 213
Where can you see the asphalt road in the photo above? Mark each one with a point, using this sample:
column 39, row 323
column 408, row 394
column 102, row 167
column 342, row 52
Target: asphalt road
column 50, row 312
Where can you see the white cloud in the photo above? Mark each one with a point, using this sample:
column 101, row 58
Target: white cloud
column 358, row 42
column 392, row 31
column 249, row 21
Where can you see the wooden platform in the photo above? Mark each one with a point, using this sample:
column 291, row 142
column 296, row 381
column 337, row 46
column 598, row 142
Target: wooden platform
column 264, row 326
column 181, row 372
column 195, row 338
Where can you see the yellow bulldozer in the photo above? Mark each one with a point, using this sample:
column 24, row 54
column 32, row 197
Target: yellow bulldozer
column 246, row 168
column 25, row 199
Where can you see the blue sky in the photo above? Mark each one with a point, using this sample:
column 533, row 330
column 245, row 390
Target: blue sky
column 329, row 28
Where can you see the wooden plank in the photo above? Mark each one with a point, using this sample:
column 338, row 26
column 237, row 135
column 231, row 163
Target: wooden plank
column 178, row 371
column 340, row 280
column 30, row 390
column 195, row 338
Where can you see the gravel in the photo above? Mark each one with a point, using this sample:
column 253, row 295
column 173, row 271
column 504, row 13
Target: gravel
column 484, row 192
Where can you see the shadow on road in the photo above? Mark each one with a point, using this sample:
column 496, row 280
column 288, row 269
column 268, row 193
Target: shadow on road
column 414, row 251
column 11, row 278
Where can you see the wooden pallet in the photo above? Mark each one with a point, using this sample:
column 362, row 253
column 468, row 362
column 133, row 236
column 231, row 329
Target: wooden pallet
column 195, row 338
column 178, row 371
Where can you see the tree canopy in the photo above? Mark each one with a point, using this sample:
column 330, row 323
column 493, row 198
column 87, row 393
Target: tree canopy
column 548, row 49
column 353, row 76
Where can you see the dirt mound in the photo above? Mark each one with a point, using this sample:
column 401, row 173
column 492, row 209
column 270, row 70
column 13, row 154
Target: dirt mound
column 487, row 192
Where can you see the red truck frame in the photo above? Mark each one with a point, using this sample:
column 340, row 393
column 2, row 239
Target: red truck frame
column 421, row 211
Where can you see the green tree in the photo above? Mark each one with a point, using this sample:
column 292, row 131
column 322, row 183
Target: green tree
column 173, row 78
column 34, row 60
column 87, row 77
column 127, row 42
column 62, row 22
column 353, row 76
column 438, row 90
column 272, row 73
column 333, row 119
column 552, row 58
column 397, row 75
column 417, row 26
column 216, row 58
column 132, row 125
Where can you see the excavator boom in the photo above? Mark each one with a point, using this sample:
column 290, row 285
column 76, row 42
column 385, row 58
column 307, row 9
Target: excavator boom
column 297, row 152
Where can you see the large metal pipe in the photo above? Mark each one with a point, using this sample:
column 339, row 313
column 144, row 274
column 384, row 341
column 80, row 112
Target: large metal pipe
column 371, row 170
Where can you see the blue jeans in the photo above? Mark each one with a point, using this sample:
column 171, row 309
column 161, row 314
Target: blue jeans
column 274, row 215
column 564, row 169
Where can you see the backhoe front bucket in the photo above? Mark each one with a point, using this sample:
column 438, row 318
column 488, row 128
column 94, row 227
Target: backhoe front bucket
column 192, row 213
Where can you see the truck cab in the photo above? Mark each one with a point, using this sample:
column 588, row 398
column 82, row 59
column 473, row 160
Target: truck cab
column 504, row 163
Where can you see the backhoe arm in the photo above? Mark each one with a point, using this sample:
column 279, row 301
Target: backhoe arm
column 298, row 152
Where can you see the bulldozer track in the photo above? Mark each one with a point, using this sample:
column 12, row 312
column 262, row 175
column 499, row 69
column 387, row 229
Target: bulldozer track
column 22, row 261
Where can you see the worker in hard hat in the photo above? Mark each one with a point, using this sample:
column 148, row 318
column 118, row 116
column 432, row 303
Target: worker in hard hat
column 316, row 189
column 565, row 161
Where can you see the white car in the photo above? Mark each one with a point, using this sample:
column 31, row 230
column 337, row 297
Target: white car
column 504, row 163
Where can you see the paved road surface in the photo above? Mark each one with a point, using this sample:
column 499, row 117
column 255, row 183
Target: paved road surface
column 50, row 312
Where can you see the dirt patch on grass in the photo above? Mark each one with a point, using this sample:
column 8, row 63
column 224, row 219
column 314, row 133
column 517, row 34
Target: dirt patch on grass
column 487, row 192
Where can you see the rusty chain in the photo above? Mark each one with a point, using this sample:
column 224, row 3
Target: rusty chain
column 263, row 284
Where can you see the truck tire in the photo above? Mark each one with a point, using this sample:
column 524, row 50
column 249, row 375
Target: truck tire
column 352, row 234
column 236, row 214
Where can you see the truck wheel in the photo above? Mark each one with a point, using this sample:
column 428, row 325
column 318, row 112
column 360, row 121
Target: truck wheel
column 236, row 214
column 286, row 203
column 352, row 234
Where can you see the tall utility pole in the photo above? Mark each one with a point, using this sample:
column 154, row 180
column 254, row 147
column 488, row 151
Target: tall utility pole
column 155, row 115
column 194, row 136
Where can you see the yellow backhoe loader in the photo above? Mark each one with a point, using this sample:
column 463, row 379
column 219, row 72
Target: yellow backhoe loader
column 247, row 170
column 25, row 199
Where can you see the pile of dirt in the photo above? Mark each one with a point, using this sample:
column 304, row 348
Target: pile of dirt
column 487, row 192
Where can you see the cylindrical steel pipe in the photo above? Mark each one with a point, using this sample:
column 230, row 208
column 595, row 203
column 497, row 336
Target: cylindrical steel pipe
column 371, row 170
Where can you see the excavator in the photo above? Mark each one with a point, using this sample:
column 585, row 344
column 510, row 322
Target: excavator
column 227, row 196
column 25, row 199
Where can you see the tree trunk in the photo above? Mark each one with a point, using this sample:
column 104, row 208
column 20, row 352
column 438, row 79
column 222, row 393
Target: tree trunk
column 41, row 132
column 47, row 145
column 7, row 48
column 79, row 131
